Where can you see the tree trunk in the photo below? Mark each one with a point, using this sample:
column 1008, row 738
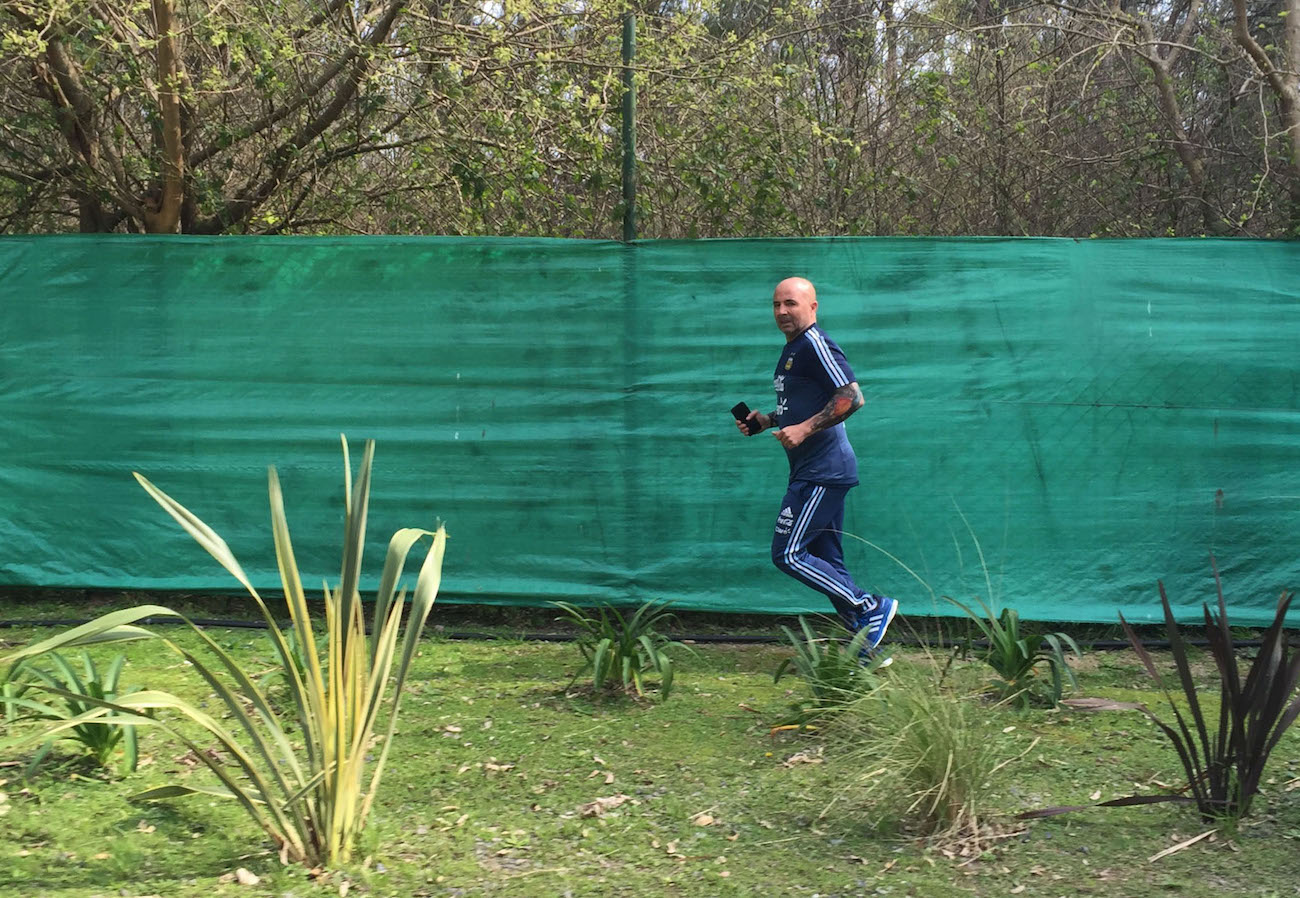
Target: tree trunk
column 1284, row 87
column 891, row 50
column 165, row 216
column 1293, row 124
column 1188, row 154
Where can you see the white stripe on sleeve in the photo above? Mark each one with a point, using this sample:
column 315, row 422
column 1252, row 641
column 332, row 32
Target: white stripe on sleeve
column 823, row 351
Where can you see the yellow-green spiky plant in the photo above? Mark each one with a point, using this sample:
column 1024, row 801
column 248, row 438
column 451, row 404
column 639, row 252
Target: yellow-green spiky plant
column 312, row 797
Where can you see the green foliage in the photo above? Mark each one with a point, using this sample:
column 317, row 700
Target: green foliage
column 81, row 693
column 1014, row 653
column 621, row 651
column 297, row 657
column 12, row 686
column 925, row 756
column 833, row 669
column 300, row 775
column 753, row 120
column 1224, row 770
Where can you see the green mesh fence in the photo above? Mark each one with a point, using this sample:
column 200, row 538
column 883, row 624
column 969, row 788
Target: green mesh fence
column 1057, row 423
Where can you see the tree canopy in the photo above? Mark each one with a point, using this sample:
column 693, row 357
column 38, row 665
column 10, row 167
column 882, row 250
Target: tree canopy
column 937, row 117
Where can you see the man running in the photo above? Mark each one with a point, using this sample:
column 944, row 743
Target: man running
column 815, row 392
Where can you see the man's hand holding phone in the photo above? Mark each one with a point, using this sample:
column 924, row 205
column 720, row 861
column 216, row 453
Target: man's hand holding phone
column 748, row 422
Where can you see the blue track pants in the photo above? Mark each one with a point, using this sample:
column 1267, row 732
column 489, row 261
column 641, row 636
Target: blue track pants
column 807, row 545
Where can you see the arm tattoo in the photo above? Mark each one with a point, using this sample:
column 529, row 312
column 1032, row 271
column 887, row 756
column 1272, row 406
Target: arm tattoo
column 844, row 402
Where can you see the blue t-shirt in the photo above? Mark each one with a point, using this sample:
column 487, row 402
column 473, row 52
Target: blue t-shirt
column 810, row 369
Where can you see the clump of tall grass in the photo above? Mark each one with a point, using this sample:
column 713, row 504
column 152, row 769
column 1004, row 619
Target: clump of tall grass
column 927, row 759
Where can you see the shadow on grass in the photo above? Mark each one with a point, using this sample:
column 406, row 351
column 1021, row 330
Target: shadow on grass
column 147, row 846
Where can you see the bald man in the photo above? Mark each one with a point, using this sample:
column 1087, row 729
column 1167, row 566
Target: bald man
column 815, row 392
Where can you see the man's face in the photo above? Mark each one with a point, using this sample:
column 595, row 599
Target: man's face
column 794, row 307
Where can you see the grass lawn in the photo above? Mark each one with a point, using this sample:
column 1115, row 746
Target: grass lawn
column 494, row 762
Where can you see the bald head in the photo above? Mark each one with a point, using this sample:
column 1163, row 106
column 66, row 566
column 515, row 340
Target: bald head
column 794, row 305
column 802, row 286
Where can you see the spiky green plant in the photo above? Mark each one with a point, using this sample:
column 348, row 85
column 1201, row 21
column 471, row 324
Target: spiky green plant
column 1224, row 764
column 302, row 776
column 623, row 650
column 1014, row 653
column 13, row 685
column 834, row 670
column 81, row 693
column 1224, row 769
column 297, row 657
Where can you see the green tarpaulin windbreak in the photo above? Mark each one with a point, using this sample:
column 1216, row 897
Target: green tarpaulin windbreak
column 1053, row 425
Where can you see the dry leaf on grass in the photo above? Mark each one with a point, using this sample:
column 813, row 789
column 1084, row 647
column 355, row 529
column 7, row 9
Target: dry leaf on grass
column 703, row 820
column 1101, row 704
column 598, row 807
column 242, row 876
column 1181, row 845
column 810, row 756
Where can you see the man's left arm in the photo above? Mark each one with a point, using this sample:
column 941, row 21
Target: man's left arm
column 843, row 402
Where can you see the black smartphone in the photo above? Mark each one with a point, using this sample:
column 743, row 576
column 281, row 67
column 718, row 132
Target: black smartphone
column 740, row 411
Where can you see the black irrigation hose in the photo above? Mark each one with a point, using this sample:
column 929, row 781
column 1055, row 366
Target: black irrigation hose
column 723, row 638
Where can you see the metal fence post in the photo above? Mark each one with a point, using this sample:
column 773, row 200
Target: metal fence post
column 629, row 128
